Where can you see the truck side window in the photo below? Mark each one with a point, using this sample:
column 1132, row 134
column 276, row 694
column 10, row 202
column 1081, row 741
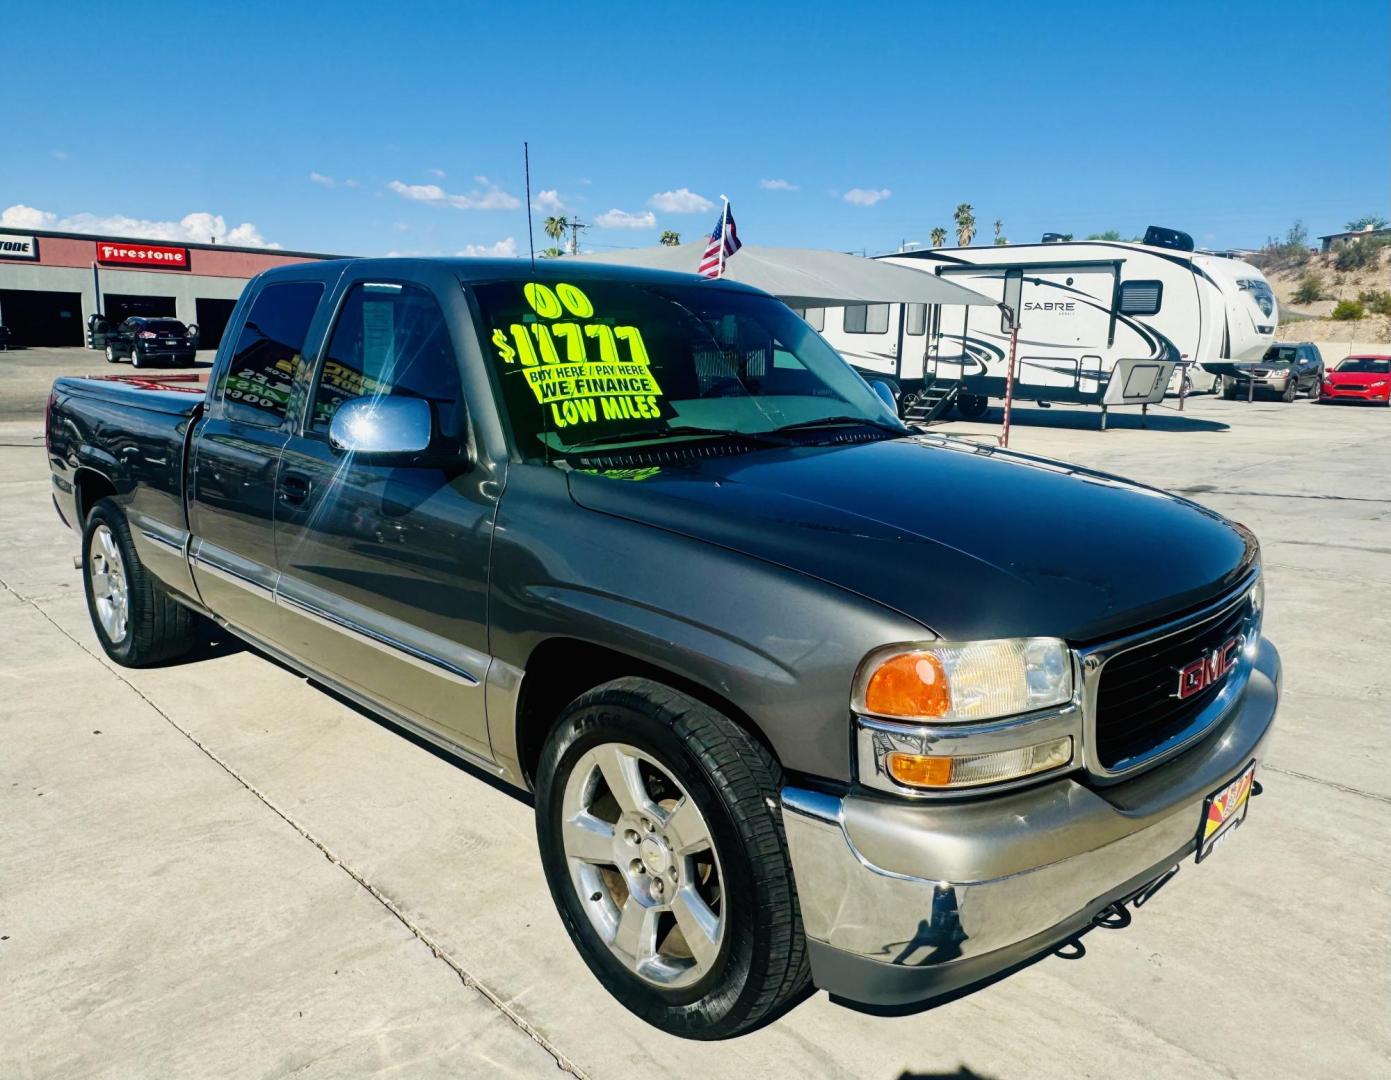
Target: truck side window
column 256, row 386
column 390, row 339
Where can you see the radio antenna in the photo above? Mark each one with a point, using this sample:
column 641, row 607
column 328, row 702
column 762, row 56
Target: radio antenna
column 530, row 239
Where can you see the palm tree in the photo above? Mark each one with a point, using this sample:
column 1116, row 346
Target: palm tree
column 669, row 238
column 939, row 237
column 965, row 224
column 555, row 228
column 552, row 253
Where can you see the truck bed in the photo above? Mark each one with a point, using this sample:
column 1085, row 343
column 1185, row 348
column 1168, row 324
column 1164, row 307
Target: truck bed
column 126, row 435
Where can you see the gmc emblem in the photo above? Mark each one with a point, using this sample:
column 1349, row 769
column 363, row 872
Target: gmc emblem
column 1209, row 669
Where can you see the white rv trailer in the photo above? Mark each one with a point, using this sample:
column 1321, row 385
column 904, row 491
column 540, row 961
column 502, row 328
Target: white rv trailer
column 1084, row 307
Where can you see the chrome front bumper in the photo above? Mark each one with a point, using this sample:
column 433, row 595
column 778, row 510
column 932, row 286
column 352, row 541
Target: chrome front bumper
column 903, row 902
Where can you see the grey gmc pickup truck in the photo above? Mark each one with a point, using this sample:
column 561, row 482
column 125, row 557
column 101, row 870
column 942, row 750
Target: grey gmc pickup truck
column 802, row 695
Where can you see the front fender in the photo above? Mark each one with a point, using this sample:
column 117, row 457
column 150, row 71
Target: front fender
column 781, row 646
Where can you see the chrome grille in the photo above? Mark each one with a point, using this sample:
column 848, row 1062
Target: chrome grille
column 1134, row 712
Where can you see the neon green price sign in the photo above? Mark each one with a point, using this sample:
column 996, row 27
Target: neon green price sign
column 582, row 371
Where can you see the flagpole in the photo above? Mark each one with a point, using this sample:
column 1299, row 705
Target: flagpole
column 724, row 231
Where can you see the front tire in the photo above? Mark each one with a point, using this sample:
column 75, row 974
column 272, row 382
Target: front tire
column 1291, row 389
column 111, row 356
column 135, row 360
column 136, row 622
column 660, row 829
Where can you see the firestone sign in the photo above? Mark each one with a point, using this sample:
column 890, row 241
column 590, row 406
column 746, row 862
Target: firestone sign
column 18, row 247
column 112, row 253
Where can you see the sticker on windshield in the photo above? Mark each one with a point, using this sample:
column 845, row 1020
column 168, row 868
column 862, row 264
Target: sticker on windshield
column 582, row 369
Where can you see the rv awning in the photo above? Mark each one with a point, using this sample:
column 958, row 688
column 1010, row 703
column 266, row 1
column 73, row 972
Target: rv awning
column 806, row 278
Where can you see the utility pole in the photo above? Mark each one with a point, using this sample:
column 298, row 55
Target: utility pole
column 575, row 225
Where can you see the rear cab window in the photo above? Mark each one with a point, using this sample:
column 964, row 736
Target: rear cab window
column 255, row 387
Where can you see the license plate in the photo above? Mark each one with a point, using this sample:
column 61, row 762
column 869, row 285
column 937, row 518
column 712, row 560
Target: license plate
column 1224, row 810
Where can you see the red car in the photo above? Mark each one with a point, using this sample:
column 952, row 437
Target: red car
column 1358, row 378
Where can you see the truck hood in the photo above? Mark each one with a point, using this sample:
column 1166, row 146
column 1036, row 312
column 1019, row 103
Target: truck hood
column 970, row 541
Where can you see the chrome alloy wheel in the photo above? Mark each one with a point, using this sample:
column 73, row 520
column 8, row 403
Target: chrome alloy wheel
column 109, row 586
column 644, row 864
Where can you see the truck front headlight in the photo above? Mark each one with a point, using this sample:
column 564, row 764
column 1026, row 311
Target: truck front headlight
column 963, row 681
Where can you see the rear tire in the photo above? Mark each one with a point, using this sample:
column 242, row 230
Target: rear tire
column 136, row 622
column 671, row 755
column 1314, row 389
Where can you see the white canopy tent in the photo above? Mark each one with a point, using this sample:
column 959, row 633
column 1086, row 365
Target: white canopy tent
column 807, row 278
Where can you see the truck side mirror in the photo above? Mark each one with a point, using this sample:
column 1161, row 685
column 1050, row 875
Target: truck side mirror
column 382, row 426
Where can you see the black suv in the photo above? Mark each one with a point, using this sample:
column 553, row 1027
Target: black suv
column 1286, row 370
column 143, row 340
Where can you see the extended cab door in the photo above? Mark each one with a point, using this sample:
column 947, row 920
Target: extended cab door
column 236, row 451
column 384, row 566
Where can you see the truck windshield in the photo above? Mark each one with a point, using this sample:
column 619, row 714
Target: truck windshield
column 1278, row 354
column 611, row 364
column 166, row 326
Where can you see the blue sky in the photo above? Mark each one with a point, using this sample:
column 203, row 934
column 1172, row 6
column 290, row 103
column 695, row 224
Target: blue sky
column 368, row 128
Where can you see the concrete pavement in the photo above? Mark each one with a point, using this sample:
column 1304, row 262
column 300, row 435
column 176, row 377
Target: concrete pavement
column 243, row 876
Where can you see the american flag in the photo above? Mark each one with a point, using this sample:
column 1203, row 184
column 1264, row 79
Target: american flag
column 724, row 242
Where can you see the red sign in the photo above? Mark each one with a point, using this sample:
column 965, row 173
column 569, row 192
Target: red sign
column 164, row 258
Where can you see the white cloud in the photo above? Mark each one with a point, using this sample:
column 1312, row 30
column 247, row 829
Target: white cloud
column 436, row 172
column 777, row 185
column 491, row 197
column 680, row 201
column 199, row 227
column 550, row 200
column 59, row 155
column 328, row 181
column 20, row 216
column 503, row 249
column 621, row 219
column 866, row 196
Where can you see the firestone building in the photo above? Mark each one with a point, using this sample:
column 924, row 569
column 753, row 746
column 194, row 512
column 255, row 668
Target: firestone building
column 51, row 283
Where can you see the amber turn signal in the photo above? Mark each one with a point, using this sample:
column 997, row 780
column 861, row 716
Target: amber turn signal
column 910, row 684
column 969, row 770
column 919, row 770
